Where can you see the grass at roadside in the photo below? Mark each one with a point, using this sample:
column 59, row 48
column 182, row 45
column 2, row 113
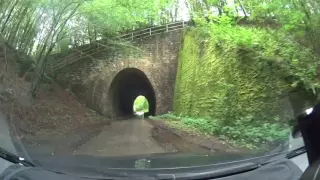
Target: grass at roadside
column 239, row 134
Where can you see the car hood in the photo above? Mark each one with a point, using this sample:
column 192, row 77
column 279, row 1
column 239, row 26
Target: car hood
column 156, row 163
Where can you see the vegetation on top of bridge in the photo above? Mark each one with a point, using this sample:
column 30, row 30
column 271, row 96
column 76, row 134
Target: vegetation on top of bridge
column 75, row 54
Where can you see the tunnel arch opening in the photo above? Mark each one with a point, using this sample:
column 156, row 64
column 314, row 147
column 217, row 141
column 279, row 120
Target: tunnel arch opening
column 140, row 104
column 125, row 87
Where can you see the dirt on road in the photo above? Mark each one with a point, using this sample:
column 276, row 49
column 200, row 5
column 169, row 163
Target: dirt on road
column 127, row 137
column 124, row 137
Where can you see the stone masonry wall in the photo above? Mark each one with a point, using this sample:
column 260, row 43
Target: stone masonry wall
column 90, row 78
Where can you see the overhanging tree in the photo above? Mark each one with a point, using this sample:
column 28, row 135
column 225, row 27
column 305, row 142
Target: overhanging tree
column 39, row 27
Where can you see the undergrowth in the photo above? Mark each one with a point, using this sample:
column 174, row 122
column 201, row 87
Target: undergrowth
column 239, row 134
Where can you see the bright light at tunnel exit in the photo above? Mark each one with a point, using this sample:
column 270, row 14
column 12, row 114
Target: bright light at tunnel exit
column 141, row 105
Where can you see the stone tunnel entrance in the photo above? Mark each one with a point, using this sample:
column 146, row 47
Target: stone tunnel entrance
column 125, row 87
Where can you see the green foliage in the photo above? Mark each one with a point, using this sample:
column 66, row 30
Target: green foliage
column 240, row 134
column 237, row 80
column 267, row 46
column 233, row 72
column 113, row 15
column 141, row 104
column 253, row 135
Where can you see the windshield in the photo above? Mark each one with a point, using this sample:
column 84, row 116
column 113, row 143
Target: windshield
column 149, row 78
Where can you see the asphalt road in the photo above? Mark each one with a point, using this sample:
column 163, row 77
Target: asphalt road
column 125, row 137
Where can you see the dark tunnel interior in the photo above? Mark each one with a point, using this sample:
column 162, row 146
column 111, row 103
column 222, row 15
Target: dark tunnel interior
column 125, row 87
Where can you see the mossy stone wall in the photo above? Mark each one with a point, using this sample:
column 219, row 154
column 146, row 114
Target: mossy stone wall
column 228, row 84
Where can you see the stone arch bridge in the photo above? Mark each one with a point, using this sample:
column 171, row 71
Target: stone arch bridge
column 107, row 77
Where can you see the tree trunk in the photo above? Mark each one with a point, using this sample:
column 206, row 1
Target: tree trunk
column 51, row 38
column 8, row 17
column 40, row 70
column 242, row 8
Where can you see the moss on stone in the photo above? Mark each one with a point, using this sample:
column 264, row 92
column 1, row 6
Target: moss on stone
column 227, row 84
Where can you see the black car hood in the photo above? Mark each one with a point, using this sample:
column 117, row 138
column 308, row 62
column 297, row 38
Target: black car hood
column 156, row 163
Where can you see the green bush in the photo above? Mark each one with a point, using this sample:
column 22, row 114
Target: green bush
column 239, row 134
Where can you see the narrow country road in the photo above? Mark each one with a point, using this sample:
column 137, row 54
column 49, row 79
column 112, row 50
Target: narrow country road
column 124, row 137
column 127, row 137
